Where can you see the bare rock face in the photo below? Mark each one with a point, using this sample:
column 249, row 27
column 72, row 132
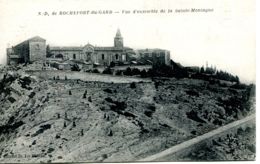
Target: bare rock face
column 64, row 120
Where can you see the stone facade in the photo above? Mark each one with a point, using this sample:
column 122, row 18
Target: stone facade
column 154, row 56
column 31, row 50
column 94, row 54
column 35, row 49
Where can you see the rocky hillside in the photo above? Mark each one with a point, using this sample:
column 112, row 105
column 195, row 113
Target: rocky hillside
column 72, row 120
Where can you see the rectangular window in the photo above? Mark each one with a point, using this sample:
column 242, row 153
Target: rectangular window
column 162, row 53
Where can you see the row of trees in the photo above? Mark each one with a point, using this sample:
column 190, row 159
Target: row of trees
column 217, row 74
column 172, row 70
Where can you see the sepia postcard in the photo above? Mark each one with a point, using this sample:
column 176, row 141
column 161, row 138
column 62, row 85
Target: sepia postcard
column 127, row 81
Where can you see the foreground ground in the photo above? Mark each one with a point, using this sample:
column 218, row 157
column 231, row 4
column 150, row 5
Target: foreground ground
column 73, row 120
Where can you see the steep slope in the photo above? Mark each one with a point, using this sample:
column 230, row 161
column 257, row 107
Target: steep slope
column 73, row 120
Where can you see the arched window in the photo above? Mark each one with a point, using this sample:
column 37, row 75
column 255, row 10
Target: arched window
column 103, row 56
column 116, row 56
column 74, row 56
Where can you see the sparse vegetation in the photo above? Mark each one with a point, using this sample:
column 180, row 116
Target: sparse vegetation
column 133, row 85
column 74, row 124
column 107, row 71
column 85, row 94
column 89, row 99
column 166, row 109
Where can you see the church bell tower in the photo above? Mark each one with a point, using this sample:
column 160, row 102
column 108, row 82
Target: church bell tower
column 118, row 40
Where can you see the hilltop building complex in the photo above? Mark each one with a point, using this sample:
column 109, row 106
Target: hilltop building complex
column 35, row 50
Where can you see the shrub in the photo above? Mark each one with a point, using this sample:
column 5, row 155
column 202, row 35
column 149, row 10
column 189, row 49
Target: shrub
column 133, row 85
column 119, row 72
column 95, row 71
column 136, row 71
column 128, row 71
column 112, row 64
column 143, row 73
column 89, row 99
column 108, row 71
column 82, row 132
column 32, row 94
column 50, row 150
column 42, row 129
column 75, row 67
column 85, row 94
column 192, row 93
column 107, row 90
column 108, row 99
column 11, row 99
column 110, row 133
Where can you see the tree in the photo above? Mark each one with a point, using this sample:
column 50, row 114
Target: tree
column 95, row 71
column 48, row 51
column 85, row 94
column 75, row 67
column 202, row 70
column 128, row 71
column 119, row 72
column 237, row 79
column 107, row 71
column 133, row 85
column 89, row 99
column 143, row 73
column 112, row 64
column 82, row 132
column 136, row 71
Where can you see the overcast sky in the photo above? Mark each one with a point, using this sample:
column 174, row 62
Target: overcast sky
column 225, row 37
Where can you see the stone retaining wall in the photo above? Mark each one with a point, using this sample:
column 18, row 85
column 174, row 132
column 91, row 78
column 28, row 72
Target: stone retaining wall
column 84, row 76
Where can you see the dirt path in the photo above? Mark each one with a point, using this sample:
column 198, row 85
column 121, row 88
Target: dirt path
column 164, row 154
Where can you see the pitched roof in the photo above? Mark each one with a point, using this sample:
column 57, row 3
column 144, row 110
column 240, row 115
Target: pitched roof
column 66, row 48
column 118, row 34
column 81, row 48
column 36, row 38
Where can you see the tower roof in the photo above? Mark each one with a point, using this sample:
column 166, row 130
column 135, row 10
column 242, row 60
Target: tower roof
column 118, row 34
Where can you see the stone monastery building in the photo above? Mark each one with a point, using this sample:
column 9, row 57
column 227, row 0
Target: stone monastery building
column 35, row 50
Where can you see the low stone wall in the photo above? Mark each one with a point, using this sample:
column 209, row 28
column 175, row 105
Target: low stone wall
column 183, row 149
column 84, row 76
